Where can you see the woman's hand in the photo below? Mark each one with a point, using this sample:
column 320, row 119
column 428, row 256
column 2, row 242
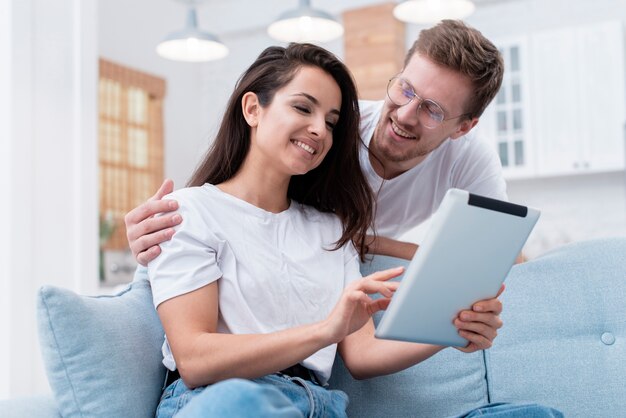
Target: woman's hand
column 480, row 325
column 356, row 307
column 144, row 231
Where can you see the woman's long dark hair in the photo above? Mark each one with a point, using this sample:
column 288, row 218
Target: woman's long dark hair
column 337, row 185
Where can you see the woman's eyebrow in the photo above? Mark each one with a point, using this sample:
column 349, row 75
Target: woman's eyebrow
column 314, row 101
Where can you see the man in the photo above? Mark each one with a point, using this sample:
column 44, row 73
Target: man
column 419, row 140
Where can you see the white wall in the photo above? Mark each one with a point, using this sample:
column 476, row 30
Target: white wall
column 49, row 175
column 574, row 208
column 128, row 33
column 5, row 186
column 499, row 19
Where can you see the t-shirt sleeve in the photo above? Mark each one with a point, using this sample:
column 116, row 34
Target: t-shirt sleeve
column 352, row 265
column 478, row 170
column 189, row 260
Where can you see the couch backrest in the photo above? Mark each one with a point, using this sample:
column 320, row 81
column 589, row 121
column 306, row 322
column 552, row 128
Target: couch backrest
column 562, row 345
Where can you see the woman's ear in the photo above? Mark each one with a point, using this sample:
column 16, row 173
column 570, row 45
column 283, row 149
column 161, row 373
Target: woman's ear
column 250, row 107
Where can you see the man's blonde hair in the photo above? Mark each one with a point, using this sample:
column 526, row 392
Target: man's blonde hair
column 454, row 45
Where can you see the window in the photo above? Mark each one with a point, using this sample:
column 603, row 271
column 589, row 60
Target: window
column 130, row 146
column 511, row 131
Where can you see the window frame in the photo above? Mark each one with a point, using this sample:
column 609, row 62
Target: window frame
column 125, row 183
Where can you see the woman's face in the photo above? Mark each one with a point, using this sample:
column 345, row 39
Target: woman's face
column 294, row 133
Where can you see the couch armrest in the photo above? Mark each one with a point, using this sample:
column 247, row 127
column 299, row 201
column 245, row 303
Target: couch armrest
column 43, row 406
column 562, row 344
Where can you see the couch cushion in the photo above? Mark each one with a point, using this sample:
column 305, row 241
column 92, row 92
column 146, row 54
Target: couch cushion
column 102, row 354
column 564, row 339
column 448, row 383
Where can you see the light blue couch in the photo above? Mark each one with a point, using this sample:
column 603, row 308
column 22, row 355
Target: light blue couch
column 563, row 345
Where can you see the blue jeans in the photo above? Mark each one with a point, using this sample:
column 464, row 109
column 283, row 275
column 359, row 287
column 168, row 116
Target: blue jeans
column 285, row 397
column 269, row 396
column 507, row 410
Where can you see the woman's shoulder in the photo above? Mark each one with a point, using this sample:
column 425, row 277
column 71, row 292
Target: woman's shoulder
column 198, row 199
column 189, row 195
column 204, row 210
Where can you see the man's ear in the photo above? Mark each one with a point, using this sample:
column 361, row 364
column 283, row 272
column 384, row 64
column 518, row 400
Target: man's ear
column 250, row 107
column 464, row 127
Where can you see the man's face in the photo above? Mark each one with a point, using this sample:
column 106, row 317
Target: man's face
column 400, row 141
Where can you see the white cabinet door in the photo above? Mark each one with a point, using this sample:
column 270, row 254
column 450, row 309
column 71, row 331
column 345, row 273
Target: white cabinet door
column 555, row 97
column 577, row 87
column 601, row 72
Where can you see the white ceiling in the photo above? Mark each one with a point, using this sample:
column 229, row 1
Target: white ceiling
column 228, row 17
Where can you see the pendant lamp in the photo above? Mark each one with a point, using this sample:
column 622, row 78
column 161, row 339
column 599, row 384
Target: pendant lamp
column 432, row 11
column 191, row 44
column 305, row 24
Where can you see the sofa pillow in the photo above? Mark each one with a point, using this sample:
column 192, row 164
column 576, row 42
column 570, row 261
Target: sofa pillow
column 449, row 383
column 102, row 354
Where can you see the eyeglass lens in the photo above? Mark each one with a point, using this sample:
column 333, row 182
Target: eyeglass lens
column 401, row 93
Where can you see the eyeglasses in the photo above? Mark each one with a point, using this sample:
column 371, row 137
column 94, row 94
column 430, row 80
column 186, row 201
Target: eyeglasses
column 429, row 113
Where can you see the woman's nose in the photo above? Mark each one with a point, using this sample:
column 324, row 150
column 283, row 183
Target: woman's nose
column 318, row 127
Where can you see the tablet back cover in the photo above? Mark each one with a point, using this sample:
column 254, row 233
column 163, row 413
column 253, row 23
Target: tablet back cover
column 466, row 255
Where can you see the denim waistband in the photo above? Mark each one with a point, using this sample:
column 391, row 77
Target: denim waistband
column 298, row 370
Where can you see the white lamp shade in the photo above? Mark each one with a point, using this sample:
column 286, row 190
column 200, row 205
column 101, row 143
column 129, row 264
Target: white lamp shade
column 432, row 11
column 192, row 44
column 305, row 24
column 192, row 49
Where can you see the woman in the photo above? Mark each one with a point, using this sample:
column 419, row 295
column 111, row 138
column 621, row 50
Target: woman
column 260, row 284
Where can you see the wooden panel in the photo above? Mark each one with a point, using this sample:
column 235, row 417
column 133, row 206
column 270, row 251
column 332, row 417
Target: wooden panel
column 131, row 145
column 155, row 86
column 374, row 47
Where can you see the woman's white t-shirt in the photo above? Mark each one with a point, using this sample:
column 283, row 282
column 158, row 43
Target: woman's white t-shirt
column 275, row 270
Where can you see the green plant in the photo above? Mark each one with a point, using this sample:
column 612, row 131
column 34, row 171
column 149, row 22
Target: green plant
column 107, row 229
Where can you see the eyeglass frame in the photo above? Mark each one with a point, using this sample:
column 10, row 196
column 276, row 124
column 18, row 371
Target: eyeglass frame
column 422, row 100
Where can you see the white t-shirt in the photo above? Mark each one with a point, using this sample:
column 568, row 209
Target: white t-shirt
column 273, row 270
column 412, row 197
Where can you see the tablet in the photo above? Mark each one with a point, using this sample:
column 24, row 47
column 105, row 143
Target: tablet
column 468, row 251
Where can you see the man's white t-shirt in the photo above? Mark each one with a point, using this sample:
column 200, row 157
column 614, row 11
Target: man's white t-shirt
column 412, row 197
column 275, row 270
